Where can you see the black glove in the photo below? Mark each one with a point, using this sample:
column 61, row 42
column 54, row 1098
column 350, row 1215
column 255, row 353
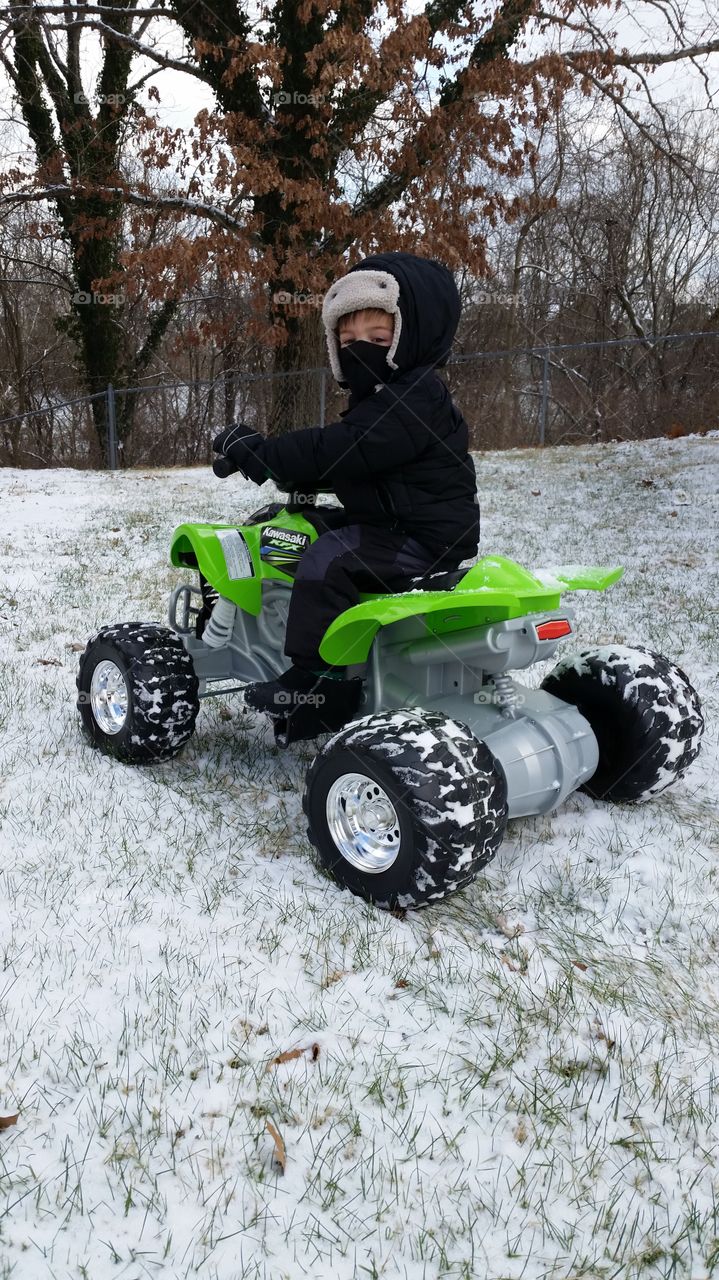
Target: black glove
column 237, row 454
column 222, row 468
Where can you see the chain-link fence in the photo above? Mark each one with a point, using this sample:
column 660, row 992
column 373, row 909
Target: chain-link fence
column 625, row 389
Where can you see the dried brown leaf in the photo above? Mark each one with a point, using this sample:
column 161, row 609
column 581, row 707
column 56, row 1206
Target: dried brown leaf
column 335, row 977
column 509, row 930
column 280, row 1155
column 287, row 1056
column 290, row 1055
column 6, row 1122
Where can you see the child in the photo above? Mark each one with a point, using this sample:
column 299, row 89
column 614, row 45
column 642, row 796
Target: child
column 398, row 462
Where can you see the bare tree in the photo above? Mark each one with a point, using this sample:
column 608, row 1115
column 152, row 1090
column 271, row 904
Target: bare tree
column 333, row 136
column 78, row 135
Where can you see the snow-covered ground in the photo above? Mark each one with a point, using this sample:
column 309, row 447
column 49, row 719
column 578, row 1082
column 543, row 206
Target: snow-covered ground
column 520, row 1082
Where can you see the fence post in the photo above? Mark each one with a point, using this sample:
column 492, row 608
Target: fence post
column 323, row 393
column 545, row 394
column 111, row 427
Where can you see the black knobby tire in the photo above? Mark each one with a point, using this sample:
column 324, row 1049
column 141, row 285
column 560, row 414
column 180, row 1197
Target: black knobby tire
column 645, row 714
column 162, row 687
column 447, row 789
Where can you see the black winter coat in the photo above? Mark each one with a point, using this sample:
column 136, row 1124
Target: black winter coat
column 399, row 457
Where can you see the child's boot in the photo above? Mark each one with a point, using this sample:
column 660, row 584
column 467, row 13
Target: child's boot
column 328, row 698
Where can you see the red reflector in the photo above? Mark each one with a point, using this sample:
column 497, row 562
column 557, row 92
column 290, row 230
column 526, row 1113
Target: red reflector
column 553, row 630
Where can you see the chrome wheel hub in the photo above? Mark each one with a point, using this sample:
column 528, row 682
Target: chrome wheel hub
column 363, row 822
column 109, row 697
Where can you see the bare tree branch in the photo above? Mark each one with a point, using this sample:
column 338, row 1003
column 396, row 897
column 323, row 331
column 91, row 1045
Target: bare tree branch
column 174, row 204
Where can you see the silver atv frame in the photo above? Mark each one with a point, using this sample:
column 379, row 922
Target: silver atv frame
column 545, row 747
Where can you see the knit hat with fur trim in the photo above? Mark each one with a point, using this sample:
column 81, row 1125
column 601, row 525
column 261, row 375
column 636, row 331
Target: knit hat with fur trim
column 358, row 291
column 420, row 294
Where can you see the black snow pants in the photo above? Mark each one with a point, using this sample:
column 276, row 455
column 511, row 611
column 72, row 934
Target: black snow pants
column 332, row 572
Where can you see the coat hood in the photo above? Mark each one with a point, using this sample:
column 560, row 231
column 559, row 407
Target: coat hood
column 419, row 292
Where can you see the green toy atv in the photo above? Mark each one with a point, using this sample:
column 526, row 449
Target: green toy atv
column 411, row 798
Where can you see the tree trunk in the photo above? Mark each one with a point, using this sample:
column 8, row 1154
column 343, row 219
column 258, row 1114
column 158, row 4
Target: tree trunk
column 296, row 394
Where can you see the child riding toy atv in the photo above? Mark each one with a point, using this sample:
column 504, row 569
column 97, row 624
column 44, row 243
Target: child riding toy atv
column 407, row 801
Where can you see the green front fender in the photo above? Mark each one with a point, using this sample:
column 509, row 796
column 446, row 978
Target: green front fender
column 229, row 557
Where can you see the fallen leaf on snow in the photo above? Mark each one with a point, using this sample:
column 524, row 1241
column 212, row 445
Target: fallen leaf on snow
column 49, row 662
column 509, row 930
column 280, row 1155
column 600, row 1034
column 520, row 1132
column 335, row 977
column 7, row 1121
column 290, row 1055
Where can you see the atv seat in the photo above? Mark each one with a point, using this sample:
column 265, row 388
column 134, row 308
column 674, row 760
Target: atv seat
column 435, row 580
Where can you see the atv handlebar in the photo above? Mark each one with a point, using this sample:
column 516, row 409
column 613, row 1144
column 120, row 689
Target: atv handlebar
column 297, row 498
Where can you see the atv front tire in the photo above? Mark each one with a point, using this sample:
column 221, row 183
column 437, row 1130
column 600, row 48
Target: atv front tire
column 646, row 717
column 137, row 692
column 405, row 807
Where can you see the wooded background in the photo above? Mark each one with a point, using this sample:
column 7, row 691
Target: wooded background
column 523, row 145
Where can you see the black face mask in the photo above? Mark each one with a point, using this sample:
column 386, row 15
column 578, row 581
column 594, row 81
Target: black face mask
column 363, row 365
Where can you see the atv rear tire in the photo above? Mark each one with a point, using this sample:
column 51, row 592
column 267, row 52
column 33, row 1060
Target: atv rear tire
column 137, row 692
column 645, row 714
column 405, row 807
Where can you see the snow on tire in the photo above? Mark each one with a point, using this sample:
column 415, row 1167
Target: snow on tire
column 645, row 714
column 137, row 692
column 405, row 807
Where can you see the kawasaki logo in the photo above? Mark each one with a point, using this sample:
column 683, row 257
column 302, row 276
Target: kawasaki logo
column 284, row 535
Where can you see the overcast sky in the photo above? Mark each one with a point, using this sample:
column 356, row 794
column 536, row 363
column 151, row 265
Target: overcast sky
column 641, row 26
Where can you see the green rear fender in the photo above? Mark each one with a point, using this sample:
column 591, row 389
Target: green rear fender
column 581, row 577
column 492, row 590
